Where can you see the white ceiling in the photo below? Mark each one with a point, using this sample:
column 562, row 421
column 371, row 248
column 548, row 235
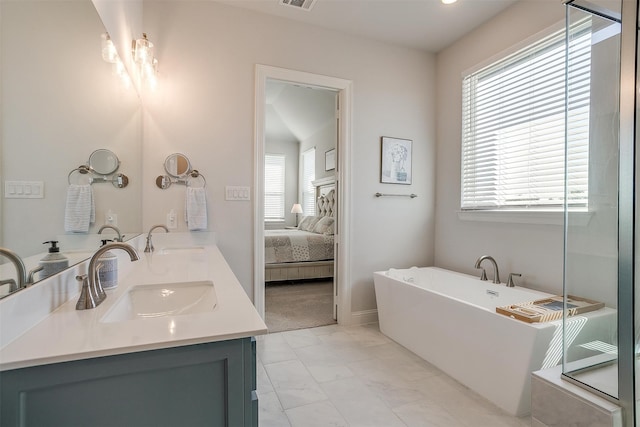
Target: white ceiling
column 294, row 113
column 428, row 25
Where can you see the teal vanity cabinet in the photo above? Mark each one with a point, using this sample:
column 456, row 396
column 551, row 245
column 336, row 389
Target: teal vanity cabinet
column 211, row 384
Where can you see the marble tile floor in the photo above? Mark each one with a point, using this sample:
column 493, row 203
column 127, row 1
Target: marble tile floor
column 355, row 376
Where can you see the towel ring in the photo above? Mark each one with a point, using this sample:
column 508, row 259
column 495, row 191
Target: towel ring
column 82, row 170
column 193, row 176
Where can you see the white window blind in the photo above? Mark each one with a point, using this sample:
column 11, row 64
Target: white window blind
column 308, row 176
column 274, row 174
column 513, row 136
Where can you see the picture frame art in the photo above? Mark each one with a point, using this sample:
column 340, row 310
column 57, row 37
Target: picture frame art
column 330, row 160
column 395, row 165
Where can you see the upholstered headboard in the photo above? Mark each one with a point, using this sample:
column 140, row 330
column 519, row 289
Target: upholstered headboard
column 326, row 204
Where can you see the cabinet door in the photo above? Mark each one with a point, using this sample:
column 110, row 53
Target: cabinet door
column 197, row 385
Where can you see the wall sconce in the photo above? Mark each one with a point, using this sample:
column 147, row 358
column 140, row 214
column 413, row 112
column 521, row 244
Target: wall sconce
column 110, row 55
column 142, row 51
column 109, row 52
column 296, row 209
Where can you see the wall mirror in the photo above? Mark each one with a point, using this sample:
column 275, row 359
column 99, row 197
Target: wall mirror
column 62, row 101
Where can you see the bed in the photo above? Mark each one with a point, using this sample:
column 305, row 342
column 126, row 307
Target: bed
column 305, row 252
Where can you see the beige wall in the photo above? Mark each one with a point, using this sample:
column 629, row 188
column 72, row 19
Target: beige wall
column 205, row 108
column 533, row 250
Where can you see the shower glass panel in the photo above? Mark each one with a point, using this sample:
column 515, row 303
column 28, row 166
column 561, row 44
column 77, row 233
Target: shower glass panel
column 636, row 352
column 591, row 232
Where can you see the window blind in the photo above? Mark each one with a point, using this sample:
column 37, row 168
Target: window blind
column 513, row 136
column 308, row 176
column 274, row 186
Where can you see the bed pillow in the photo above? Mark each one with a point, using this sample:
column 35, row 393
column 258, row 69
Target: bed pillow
column 308, row 222
column 324, row 226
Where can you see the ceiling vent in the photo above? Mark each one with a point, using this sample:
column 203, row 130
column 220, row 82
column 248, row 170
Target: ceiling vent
column 299, row 4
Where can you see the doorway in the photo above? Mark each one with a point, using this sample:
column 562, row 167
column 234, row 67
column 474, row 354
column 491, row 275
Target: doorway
column 264, row 74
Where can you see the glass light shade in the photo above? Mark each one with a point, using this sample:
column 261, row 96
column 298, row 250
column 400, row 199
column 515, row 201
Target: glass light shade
column 120, row 71
column 296, row 209
column 143, row 51
column 109, row 53
column 150, row 69
column 448, row 1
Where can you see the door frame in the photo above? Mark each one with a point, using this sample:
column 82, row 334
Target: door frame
column 344, row 88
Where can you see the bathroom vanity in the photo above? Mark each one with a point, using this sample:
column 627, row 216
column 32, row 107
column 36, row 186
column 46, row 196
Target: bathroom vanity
column 171, row 345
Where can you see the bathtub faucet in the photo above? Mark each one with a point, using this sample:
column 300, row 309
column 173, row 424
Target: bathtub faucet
column 483, row 276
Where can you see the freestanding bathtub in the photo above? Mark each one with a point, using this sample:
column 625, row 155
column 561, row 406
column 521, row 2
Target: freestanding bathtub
column 449, row 319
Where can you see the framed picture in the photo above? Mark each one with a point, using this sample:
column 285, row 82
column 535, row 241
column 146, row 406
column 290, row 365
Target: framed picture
column 396, row 161
column 330, row 159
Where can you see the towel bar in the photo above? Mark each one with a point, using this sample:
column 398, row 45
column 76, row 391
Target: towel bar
column 413, row 196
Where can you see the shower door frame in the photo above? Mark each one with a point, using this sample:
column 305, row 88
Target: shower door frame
column 628, row 158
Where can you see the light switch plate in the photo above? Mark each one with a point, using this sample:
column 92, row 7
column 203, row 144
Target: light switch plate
column 237, row 193
column 23, row 189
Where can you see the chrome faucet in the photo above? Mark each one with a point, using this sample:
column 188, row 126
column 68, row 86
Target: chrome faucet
column 496, row 274
column 114, row 228
column 510, row 282
column 92, row 293
column 21, row 271
column 149, row 246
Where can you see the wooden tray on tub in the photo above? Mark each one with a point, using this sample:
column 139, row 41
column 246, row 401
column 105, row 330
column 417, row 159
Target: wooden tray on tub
column 548, row 309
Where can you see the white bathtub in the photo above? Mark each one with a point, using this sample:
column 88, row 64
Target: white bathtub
column 449, row 319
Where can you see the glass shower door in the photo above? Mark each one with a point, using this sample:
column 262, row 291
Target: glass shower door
column 591, row 232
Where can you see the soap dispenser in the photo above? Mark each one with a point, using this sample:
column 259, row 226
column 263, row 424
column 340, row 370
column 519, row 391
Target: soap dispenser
column 54, row 261
column 108, row 269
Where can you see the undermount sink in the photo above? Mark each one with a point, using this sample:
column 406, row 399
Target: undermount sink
column 162, row 300
column 179, row 250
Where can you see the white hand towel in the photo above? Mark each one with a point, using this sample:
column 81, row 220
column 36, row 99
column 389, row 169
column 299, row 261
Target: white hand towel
column 196, row 208
column 80, row 210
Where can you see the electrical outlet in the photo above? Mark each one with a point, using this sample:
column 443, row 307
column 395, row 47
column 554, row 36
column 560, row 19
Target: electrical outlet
column 111, row 219
column 172, row 220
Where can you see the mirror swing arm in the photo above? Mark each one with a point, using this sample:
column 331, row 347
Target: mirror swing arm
column 165, row 181
column 101, row 167
column 179, row 171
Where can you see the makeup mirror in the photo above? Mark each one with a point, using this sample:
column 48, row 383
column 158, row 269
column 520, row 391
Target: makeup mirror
column 104, row 162
column 177, row 165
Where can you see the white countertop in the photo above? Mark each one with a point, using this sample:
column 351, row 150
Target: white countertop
column 68, row 334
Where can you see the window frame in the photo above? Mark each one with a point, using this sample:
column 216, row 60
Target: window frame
column 282, row 160
column 308, row 195
column 536, row 213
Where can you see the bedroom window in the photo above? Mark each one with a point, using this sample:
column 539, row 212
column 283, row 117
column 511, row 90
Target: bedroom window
column 513, row 130
column 274, row 174
column 308, row 175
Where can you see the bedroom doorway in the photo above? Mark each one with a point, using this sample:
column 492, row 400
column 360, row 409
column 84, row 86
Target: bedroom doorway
column 319, row 139
column 300, row 133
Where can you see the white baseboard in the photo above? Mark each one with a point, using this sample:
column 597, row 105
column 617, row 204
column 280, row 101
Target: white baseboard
column 363, row 317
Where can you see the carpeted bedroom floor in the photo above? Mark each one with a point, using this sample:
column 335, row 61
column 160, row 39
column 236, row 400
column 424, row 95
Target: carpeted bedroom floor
column 290, row 306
